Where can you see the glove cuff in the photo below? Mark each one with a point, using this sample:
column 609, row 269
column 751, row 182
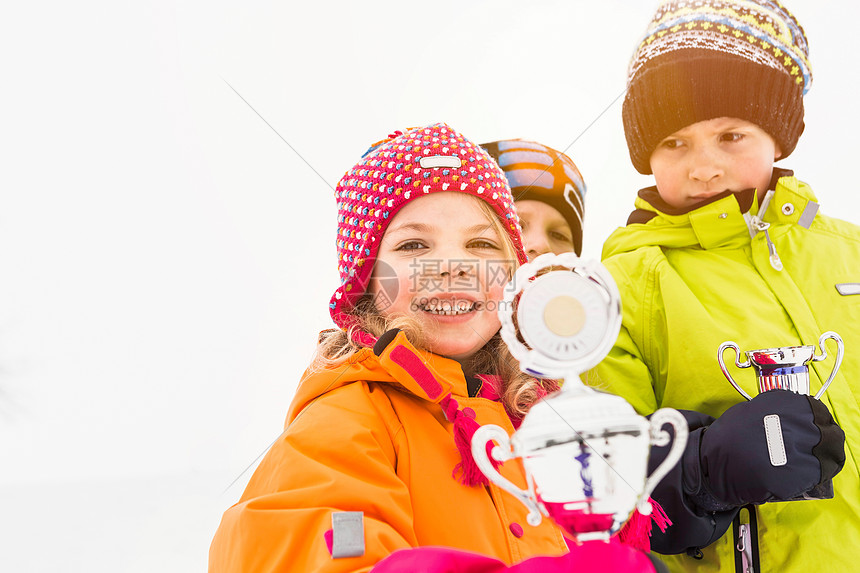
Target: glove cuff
column 830, row 450
column 695, row 480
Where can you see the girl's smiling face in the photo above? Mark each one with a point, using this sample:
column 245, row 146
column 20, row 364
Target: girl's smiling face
column 443, row 261
column 712, row 156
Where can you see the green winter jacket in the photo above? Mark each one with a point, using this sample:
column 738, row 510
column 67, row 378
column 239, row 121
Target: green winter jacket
column 691, row 281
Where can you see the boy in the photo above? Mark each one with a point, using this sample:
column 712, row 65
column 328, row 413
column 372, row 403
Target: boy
column 548, row 192
column 727, row 247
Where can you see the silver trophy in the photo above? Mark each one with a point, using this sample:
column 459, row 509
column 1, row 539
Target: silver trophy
column 585, row 452
column 784, row 368
column 787, row 368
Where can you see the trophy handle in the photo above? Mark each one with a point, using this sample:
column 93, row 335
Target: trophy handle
column 840, row 351
column 738, row 363
column 660, row 437
column 502, row 453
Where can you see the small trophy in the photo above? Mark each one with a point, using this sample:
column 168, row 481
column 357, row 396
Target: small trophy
column 786, row 368
column 783, row 368
column 585, row 452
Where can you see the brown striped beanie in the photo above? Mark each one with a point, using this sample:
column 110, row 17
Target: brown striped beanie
column 704, row 59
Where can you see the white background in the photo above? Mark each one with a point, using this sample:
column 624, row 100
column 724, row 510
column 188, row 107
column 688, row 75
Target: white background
column 166, row 258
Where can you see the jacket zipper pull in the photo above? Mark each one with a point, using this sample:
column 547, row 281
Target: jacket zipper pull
column 758, row 225
column 744, row 542
column 775, row 261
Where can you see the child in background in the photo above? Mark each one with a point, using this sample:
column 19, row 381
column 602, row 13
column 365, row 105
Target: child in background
column 374, row 471
column 549, row 195
column 728, row 248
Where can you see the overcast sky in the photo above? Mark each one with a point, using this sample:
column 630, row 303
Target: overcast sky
column 167, row 221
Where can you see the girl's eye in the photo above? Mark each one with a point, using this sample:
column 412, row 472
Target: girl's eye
column 731, row 137
column 410, row 246
column 671, row 143
column 482, row 244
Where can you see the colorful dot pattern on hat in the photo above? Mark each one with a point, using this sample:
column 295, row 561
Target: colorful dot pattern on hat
column 394, row 172
column 763, row 32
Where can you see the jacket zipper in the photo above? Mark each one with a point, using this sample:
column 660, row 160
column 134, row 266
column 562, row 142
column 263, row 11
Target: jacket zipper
column 746, row 542
column 757, row 225
column 744, row 547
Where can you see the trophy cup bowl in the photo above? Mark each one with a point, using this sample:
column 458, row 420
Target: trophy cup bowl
column 783, row 368
column 585, row 453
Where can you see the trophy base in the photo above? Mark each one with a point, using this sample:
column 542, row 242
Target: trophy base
column 578, row 524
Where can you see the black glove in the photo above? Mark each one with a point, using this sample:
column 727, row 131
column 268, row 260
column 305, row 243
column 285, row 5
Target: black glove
column 693, row 526
column 730, row 463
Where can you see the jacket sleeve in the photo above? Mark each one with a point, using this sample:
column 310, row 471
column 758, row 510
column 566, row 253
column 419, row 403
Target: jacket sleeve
column 338, row 455
column 633, row 365
column 624, row 372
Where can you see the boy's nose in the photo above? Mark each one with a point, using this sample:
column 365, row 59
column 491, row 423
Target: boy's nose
column 535, row 244
column 704, row 166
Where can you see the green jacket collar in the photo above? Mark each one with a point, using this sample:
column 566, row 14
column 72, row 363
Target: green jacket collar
column 720, row 223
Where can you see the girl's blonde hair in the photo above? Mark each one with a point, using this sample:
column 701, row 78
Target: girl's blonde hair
column 518, row 391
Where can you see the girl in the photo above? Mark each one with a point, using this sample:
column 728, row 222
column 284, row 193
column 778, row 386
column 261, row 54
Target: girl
column 373, row 472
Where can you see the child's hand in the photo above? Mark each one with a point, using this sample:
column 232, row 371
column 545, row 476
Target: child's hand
column 775, row 447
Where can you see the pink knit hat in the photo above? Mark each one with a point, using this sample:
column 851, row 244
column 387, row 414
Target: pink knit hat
column 394, row 172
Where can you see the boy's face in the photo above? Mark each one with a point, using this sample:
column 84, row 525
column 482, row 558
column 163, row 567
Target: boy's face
column 544, row 229
column 712, row 156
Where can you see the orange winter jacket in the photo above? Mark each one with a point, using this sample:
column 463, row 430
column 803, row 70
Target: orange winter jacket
column 370, row 436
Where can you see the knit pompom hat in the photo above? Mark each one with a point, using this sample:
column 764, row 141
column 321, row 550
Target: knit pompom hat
column 536, row 172
column 402, row 168
column 704, row 59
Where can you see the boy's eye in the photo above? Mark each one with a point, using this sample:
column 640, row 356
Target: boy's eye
column 558, row 236
column 731, row 136
column 671, row 143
